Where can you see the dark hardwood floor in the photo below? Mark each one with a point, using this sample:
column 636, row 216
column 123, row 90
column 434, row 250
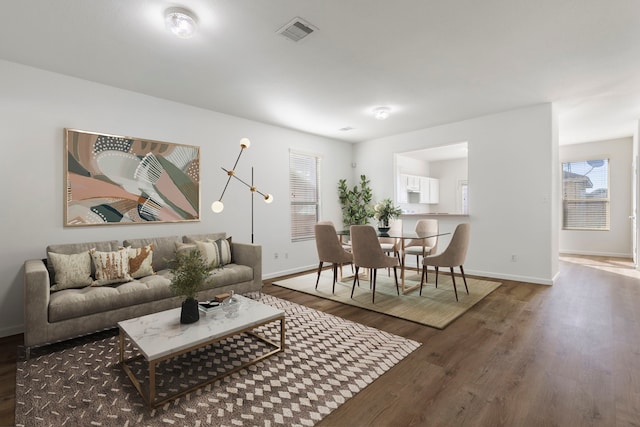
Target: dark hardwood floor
column 527, row 355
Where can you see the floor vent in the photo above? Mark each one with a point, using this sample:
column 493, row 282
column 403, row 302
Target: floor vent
column 297, row 29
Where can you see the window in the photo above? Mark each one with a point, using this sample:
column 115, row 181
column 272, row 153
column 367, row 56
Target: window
column 585, row 195
column 304, row 176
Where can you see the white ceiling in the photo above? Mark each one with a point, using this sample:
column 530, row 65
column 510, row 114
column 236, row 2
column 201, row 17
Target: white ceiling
column 431, row 61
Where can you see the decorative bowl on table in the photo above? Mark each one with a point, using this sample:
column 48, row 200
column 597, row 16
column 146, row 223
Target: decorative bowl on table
column 384, row 229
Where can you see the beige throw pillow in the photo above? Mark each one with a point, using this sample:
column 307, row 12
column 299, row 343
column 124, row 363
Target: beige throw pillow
column 71, row 271
column 215, row 252
column 140, row 261
column 111, row 267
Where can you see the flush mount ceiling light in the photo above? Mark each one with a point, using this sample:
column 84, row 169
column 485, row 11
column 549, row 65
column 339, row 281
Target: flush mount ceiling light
column 181, row 22
column 381, row 113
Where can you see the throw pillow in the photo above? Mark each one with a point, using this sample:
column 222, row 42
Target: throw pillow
column 71, row 271
column 185, row 247
column 215, row 252
column 224, row 250
column 140, row 261
column 111, row 267
column 208, row 252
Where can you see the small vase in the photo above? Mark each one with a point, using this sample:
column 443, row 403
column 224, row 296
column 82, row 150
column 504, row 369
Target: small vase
column 190, row 312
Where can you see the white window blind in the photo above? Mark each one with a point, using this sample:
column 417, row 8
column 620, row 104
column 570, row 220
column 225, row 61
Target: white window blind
column 585, row 195
column 304, row 176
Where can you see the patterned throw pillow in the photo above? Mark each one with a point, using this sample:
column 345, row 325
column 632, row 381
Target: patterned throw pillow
column 215, row 252
column 111, row 267
column 71, row 271
column 140, row 261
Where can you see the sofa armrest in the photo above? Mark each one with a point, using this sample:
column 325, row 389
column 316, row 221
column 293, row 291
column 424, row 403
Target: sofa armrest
column 36, row 301
column 249, row 254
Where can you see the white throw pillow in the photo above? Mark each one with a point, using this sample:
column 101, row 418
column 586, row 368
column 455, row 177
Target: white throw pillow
column 140, row 261
column 111, row 267
column 71, row 271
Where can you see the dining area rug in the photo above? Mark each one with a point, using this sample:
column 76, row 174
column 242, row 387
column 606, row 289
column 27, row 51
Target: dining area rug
column 326, row 361
column 436, row 307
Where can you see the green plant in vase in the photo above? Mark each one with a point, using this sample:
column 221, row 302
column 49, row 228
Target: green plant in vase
column 386, row 211
column 189, row 272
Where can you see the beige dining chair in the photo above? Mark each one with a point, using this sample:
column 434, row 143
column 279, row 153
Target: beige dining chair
column 367, row 253
column 391, row 245
column 453, row 256
column 330, row 250
column 423, row 247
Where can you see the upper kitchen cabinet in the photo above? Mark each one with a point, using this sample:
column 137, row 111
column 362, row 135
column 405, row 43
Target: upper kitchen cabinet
column 433, row 180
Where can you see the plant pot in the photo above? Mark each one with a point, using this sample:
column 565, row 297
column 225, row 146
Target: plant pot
column 190, row 312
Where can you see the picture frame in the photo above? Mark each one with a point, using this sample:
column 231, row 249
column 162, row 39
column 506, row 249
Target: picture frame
column 111, row 179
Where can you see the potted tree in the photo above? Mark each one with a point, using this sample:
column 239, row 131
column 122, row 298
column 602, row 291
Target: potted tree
column 385, row 211
column 356, row 202
column 189, row 273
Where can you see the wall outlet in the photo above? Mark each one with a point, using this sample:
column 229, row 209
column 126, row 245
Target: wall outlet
column 275, row 255
column 514, row 258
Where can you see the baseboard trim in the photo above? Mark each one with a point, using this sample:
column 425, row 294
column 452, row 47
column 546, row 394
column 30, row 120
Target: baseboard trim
column 595, row 253
column 514, row 277
column 11, row 330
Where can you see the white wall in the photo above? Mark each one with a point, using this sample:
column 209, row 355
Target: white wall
column 449, row 173
column 618, row 240
column 508, row 152
column 35, row 107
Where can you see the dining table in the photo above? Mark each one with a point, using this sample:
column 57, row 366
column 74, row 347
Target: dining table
column 403, row 236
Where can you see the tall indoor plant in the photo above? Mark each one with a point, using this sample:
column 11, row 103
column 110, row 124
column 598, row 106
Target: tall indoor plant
column 189, row 273
column 356, row 202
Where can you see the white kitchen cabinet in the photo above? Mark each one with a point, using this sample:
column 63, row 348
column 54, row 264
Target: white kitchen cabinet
column 429, row 190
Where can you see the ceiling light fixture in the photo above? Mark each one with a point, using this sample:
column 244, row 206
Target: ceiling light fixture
column 181, row 22
column 381, row 113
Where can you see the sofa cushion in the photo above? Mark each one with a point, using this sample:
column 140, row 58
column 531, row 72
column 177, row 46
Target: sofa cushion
column 111, row 267
column 141, row 261
column 73, row 303
column 228, row 275
column 163, row 249
column 71, row 271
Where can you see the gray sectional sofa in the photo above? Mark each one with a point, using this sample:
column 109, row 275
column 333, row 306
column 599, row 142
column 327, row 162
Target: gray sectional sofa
column 52, row 316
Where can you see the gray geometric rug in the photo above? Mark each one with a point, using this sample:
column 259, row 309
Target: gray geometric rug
column 327, row 360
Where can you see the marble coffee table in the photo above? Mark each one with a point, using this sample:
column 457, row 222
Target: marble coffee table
column 161, row 336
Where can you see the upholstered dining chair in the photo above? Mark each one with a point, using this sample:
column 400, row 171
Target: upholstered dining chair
column 367, row 253
column 391, row 245
column 453, row 256
column 330, row 250
column 423, row 247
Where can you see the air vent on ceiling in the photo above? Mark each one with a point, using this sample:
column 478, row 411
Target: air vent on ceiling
column 297, row 29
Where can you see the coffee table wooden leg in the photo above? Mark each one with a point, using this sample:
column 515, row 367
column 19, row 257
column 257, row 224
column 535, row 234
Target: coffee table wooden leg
column 282, row 334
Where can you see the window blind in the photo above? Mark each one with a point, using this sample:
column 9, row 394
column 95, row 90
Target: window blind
column 585, row 195
column 304, row 171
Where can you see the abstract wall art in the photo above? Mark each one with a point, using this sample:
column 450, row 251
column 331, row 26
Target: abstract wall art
column 122, row 180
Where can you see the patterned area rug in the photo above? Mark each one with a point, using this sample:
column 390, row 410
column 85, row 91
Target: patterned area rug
column 327, row 360
column 436, row 307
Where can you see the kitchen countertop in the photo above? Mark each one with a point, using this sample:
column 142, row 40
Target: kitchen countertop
column 433, row 214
